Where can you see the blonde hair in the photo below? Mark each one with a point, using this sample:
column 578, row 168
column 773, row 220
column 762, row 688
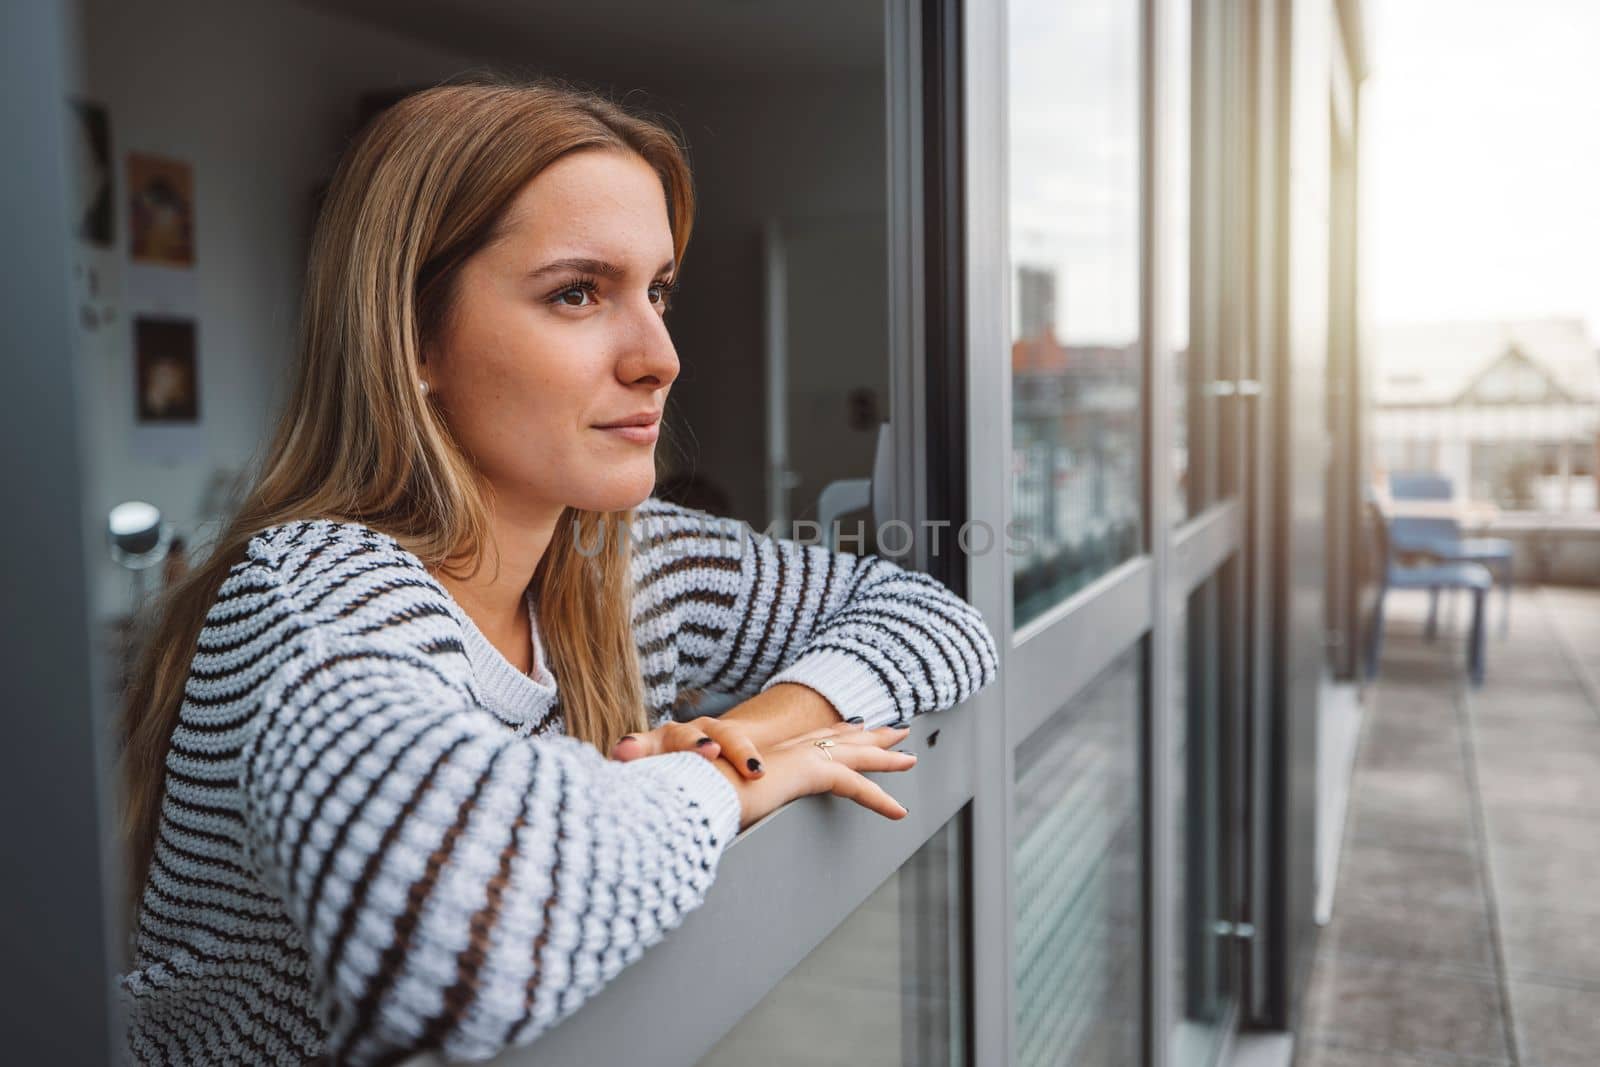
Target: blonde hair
column 422, row 188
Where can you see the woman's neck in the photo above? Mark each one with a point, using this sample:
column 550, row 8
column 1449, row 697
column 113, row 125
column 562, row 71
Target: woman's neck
column 495, row 598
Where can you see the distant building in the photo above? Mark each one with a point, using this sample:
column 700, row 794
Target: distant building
column 1510, row 411
column 1075, row 448
column 1036, row 302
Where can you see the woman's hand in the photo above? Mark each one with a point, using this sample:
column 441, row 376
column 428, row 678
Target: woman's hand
column 714, row 738
column 799, row 768
column 739, row 734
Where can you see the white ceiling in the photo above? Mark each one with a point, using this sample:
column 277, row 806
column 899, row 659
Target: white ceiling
column 709, row 40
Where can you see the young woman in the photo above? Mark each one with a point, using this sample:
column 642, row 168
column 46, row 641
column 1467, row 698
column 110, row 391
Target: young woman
column 370, row 803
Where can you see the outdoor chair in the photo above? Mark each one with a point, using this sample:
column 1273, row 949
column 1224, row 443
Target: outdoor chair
column 1439, row 538
column 1434, row 576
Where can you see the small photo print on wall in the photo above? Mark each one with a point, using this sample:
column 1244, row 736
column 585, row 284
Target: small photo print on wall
column 90, row 145
column 168, row 377
column 161, row 210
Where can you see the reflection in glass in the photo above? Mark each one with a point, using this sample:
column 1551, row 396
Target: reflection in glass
column 1076, row 349
column 884, row 989
column 1077, row 875
column 1199, row 965
column 834, row 370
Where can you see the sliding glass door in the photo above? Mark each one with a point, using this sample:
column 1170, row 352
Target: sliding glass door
column 1080, row 609
column 1111, row 383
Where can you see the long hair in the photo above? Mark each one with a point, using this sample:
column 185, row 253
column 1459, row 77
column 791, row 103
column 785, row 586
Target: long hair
column 421, row 189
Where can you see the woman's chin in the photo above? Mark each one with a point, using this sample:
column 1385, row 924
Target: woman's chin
column 619, row 490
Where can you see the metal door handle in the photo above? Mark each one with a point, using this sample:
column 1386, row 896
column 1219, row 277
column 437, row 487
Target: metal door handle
column 1226, row 387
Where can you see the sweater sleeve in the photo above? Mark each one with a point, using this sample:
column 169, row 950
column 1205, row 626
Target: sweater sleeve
column 753, row 611
column 459, row 887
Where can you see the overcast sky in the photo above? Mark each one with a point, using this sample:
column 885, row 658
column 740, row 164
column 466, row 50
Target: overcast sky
column 1484, row 163
column 1074, row 168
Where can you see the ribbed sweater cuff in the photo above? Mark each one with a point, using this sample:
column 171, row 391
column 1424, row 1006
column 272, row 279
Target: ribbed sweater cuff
column 701, row 782
column 845, row 682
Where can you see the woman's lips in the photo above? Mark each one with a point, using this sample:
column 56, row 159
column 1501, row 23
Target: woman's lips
column 639, row 435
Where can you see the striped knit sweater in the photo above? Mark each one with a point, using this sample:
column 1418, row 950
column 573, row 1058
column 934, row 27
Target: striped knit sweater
column 375, row 837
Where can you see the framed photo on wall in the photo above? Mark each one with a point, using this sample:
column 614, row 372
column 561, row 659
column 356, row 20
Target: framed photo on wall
column 90, row 146
column 167, row 381
column 161, row 210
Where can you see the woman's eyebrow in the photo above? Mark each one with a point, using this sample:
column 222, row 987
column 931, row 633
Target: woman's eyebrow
column 580, row 265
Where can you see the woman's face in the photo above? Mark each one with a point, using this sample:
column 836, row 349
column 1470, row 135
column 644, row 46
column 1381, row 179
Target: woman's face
column 557, row 332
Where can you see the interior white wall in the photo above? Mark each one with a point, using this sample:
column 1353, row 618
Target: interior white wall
column 257, row 96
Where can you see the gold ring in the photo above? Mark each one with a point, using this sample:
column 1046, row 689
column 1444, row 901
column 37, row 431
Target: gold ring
column 825, row 744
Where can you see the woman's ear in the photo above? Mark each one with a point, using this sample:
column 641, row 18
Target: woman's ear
column 423, row 381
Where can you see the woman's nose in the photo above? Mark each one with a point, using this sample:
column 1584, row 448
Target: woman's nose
column 650, row 353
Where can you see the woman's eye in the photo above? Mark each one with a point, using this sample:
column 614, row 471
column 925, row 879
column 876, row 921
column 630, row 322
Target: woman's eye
column 574, row 296
column 661, row 293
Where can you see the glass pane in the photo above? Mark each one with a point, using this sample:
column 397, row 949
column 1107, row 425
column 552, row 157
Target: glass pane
column 834, row 367
column 1201, row 983
column 1176, row 123
column 898, row 957
column 1076, row 349
column 1076, row 871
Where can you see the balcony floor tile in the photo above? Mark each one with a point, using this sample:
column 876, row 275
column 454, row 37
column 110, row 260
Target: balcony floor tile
column 1469, row 881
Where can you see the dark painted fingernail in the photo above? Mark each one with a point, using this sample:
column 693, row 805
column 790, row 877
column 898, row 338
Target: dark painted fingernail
column 855, row 720
column 703, row 742
column 933, row 739
column 754, row 765
column 626, row 737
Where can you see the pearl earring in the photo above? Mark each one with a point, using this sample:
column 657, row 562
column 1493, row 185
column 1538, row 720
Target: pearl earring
column 423, row 385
